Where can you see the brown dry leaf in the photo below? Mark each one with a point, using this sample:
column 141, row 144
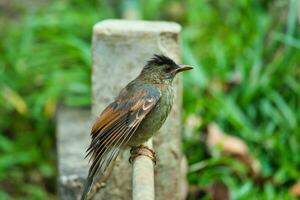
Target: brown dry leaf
column 219, row 191
column 295, row 190
column 231, row 145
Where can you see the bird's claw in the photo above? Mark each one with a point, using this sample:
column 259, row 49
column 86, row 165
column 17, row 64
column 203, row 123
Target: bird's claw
column 142, row 150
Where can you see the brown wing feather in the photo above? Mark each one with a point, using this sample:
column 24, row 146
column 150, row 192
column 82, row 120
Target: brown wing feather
column 107, row 116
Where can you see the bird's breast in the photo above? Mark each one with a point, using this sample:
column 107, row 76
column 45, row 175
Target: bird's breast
column 156, row 118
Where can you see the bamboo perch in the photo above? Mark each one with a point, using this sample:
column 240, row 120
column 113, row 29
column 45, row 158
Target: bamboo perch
column 143, row 176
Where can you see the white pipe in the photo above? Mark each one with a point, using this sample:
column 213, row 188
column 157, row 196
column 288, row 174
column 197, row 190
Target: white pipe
column 143, row 176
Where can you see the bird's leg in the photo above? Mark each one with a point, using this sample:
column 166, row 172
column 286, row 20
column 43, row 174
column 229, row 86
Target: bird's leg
column 142, row 150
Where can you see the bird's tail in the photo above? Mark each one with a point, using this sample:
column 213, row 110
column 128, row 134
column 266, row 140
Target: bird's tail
column 87, row 188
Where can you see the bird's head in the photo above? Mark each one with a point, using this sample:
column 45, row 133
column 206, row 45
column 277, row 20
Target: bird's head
column 162, row 69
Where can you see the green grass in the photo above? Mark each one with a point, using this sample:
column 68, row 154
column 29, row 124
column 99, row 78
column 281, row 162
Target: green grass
column 45, row 61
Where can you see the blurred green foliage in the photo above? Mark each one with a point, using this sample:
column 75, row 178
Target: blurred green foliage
column 247, row 80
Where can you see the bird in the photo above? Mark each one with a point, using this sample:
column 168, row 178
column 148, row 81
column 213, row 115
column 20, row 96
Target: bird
column 135, row 115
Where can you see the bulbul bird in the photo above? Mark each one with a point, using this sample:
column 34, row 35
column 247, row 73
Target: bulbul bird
column 136, row 114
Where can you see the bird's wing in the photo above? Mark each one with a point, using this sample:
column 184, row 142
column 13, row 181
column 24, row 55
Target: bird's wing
column 117, row 123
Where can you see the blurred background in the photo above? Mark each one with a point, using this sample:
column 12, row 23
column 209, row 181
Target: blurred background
column 241, row 104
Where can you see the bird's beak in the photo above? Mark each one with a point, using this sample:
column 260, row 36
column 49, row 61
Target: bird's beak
column 183, row 68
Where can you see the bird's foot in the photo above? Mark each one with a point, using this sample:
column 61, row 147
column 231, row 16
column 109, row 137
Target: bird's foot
column 142, row 150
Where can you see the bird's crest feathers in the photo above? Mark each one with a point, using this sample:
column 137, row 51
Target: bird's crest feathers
column 160, row 60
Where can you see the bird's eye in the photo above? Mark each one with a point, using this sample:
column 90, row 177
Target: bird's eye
column 168, row 69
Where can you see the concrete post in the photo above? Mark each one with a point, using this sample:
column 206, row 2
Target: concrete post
column 120, row 49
